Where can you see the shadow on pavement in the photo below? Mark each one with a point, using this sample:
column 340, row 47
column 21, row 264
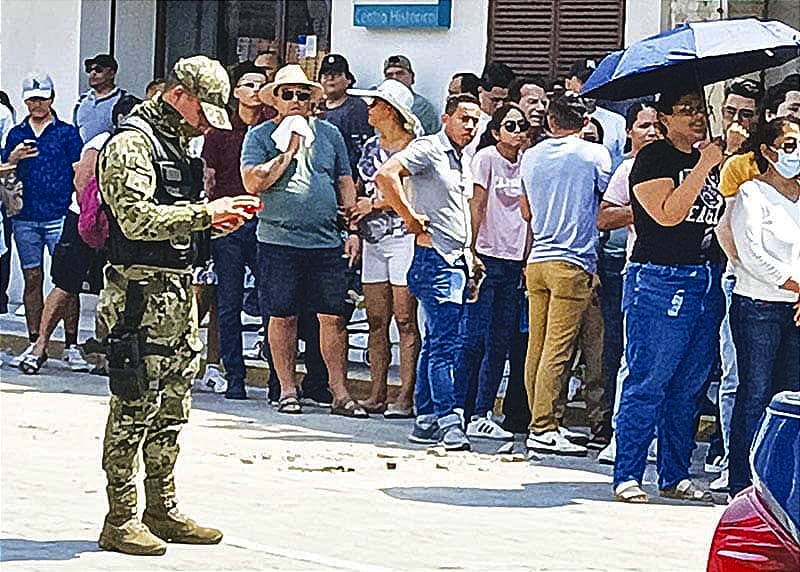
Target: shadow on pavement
column 21, row 549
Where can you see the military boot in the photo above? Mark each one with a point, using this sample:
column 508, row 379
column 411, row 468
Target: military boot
column 123, row 531
column 162, row 517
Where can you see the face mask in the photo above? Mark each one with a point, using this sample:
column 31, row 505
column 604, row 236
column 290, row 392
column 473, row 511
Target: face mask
column 788, row 164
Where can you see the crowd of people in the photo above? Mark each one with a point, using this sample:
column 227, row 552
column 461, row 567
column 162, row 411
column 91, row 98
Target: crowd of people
column 524, row 224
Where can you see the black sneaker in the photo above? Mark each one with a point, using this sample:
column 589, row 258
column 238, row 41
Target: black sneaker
column 425, row 432
column 600, row 438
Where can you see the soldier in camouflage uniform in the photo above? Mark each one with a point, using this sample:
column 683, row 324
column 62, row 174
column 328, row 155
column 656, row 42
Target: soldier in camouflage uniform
column 194, row 98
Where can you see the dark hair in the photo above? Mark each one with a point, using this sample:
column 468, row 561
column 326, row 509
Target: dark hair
column 568, row 111
column 487, row 138
column 469, row 82
column 496, row 74
column 123, row 106
column 454, row 101
column 668, row 99
column 6, row 102
column 776, row 94
column 765, row 134
column 748, row 88
column 243, row 68
column 152, row 84
column 515, row 88
column 633, row 113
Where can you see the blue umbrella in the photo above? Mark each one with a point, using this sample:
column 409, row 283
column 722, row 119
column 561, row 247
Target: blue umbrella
column 698, row 53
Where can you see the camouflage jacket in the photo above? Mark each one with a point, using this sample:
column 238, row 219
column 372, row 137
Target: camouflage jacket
column 127, row 180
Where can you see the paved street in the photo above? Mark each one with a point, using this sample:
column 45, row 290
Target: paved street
column 316, row 492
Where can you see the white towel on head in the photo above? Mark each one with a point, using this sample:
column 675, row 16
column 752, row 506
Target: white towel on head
column 292, row 124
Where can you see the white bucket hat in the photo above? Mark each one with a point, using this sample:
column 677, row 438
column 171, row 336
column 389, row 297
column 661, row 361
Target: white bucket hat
column 398, row 96
column 291, row 74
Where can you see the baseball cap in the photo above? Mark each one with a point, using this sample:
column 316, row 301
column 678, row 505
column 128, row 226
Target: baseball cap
column 334, row 63
column 37, row 84
column 101, row 60
column 398, row 62
column 208, row 80
column 582, row 68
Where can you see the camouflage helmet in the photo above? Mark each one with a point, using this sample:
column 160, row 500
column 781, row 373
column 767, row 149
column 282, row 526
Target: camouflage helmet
column 208, row 80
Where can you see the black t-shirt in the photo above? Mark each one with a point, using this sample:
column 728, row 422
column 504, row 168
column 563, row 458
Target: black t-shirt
column 693, row 240
column 351, row 119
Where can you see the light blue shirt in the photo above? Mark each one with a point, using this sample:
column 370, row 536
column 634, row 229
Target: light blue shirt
column 563, row 179
column 93, row 115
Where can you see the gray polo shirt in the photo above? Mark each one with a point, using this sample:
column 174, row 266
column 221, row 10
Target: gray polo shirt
column 427, row 115
column 440, row 188
column 92, row 114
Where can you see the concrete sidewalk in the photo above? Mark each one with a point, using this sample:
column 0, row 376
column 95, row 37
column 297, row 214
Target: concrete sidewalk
column 319, row 492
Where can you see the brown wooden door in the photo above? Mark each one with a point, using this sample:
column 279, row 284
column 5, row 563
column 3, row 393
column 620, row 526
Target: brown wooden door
column 546, row 36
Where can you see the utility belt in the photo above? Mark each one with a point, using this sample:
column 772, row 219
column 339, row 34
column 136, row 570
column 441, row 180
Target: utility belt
column 127, row 346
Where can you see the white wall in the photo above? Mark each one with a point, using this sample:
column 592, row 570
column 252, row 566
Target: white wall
column 435, row 53
column 45, row 37
column 134, row 43
column 642, row 18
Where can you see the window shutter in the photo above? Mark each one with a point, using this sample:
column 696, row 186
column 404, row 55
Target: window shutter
column 546, row 36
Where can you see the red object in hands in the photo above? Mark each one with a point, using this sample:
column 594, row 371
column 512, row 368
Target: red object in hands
column 749, row 539
column 252, row 209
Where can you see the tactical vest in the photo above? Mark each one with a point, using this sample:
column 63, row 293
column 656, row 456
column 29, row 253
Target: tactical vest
column 178, row 179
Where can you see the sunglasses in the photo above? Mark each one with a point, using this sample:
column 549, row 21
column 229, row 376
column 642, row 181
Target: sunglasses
column 290, row 94
column 731, row 112
column 97, row 69
column 689, row 110
column 789, row 146
column 251, row 84
column 511, row 126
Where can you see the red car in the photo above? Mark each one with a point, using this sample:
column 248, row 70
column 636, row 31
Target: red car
column 759, row 531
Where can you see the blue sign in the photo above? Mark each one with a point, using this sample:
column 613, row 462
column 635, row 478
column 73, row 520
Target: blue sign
column 432, row 15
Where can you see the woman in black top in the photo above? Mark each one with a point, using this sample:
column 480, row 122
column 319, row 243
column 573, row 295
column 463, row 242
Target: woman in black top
column 673, row 302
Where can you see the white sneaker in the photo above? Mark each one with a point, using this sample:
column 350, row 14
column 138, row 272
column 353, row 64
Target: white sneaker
column 554, row 443
column 74, row 359
column 714, row 466
column 608, row 455
column 487, row 428
column 720, row 484
column 212, row 381
column 573, row 436
column 16, row 361
column 254, row 353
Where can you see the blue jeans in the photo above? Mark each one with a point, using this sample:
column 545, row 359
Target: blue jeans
column 32, row 237
column 232, row 253
column 768, row 358
column 485, row 336
column 442, row 291
column 729, row 380
column 672, row 319
column 610, row 270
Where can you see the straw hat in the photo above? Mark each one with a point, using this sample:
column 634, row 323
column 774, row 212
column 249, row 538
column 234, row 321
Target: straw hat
column 395, row 94
column 291, row 74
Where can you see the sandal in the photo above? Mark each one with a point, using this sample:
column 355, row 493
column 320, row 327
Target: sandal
column 631, row 492
column 31, row 364
column 688, row 491
column 394, row 411
column 379, row 407
column 289, row 405
column 349, row 408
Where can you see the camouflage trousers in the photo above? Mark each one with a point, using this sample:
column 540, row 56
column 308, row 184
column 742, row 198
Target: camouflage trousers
column 154, row 420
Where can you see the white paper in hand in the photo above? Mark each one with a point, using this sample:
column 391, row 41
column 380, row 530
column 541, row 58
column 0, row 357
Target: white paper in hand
column 292, row 124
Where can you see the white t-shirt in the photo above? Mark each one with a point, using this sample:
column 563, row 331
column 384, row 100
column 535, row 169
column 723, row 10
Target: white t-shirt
column 502, row 234
column 766, row 231
column 618, row 193
column 95, row 143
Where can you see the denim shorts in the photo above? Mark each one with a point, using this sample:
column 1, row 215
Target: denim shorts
column 31, row 237
column 298, row 280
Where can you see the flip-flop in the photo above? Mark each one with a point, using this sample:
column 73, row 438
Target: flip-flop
column 290, row 405
column 349, row 408
column 31, row 364
column 631, row 492
column 394, row 411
